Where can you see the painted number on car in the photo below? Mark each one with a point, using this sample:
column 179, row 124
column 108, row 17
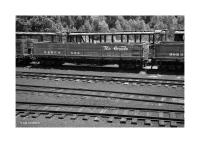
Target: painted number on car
column 52, row 52
column 175, row 54
column 75, row 53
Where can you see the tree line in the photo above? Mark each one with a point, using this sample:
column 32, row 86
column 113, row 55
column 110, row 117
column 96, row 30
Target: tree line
column 98, row 23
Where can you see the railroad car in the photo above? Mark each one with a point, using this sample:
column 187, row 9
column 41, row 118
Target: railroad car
column 23, row 51
column 84, row 48
column 170, row 54
column 127, row 49
column 26, row 40
column 99, row 54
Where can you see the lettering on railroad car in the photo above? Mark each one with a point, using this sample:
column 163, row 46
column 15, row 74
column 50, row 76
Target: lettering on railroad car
column 120, row 48
column 116, row 48
column 176, row 54
column 52, row 52
column 75, row 53
column 107, row 48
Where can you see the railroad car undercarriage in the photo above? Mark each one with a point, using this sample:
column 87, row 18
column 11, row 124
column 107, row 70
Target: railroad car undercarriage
column 123, row 64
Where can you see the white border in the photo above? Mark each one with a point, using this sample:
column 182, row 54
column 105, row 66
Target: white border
column 90, row 7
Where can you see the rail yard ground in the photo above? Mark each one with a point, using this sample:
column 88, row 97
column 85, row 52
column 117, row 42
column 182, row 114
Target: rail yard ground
column 47, row 97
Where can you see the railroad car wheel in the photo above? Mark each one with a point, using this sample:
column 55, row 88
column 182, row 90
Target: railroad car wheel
column 129, row 66
column 125, row 66
column 45, row 62
column 121, row 65
column 141, row 65
column 180, row 67
column 172, row 67
column 162, row 67
column 58, row 63
column 42, row 62
column 23, row 62
column 50, row 63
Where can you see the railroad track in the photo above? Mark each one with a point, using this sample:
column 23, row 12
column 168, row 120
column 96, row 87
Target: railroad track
column 98, row 78
column 133, row 117
column 131, row 109
column 101, row 94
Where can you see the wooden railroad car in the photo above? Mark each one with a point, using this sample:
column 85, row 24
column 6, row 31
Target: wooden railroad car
column 25, row 41
column 99, row 54
column 170, row 54
column 84, row 48
column 24, row 50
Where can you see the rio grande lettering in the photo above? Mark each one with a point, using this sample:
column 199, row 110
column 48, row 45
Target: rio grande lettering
column 116, row 48
column 120, row 48
column 107, row 48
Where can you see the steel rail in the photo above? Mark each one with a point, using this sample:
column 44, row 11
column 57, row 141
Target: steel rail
column 102, row 78
column 102, row 91
column 76, row 109
column 136, row 97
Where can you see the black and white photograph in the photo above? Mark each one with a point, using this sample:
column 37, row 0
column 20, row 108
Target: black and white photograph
column 103, row 71
column 122, row 71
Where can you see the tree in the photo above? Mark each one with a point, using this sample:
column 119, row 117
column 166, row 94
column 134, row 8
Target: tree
column 22, row 25
column 180, row 21
column 118, row 26
column 87, row 27
column 78, row 22
column 124, row 23
column 98, row 23
column 103, row 26
column 110, row 20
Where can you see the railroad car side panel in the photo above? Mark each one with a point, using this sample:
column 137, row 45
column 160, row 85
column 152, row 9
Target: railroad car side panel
column 24, row 51
column 46, row 49
column 83, row 50
column 24, row 47
column 169, row 51
column 146, row 50
column 105, row 50
column 124, row 51
column 20, row 46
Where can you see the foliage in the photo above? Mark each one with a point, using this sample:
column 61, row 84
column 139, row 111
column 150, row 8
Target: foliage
column 98, row 23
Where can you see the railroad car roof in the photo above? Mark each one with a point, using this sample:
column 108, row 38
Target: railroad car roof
column 117, row 33
column 179, row 32
column 86, row 34
column 37, row 33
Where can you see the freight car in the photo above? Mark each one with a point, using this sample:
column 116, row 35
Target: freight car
column 131, row 51
column 169, row 54
column 25, row 41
